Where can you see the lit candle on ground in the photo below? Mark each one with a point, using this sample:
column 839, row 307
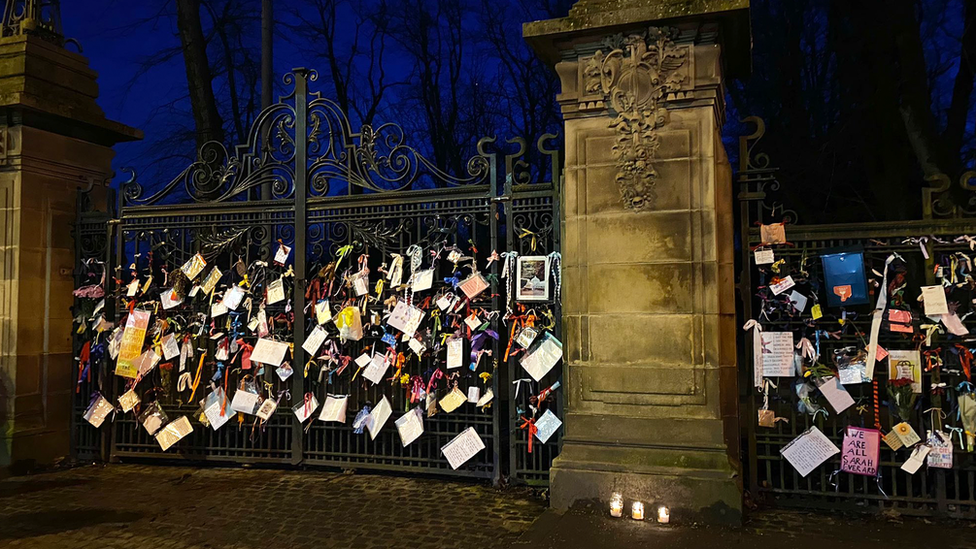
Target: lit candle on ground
column 637, row 511
column 663, row 515
column 616, row 505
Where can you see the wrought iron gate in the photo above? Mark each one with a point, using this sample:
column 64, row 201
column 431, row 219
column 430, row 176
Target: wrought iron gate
column 769, row 477
column 326, row 187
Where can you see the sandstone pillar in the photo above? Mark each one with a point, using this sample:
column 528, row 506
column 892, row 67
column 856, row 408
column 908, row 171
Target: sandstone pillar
column 53, row 140
column 647, row 223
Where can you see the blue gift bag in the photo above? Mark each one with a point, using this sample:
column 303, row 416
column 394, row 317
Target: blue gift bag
column 846, row 284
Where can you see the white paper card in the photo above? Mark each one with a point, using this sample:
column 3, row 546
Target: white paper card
column 282, row 254
column 782, row 285
column 916, row 459
column 406, row 318
column 548, row 424
column 276, row 291
column 836, row 394
column 377, row 368
column 474, row 394
column 363, row 360
column 269, row 352
column 423, row 280
column 807, row 451
column 267, row 408
column 133, row 288
column 798, row 300
column 378, row 417
column 446, row 301
column 777, row 354
column 245, row 402
column 485, row 398
column 934, row 300
column 416, row 346
column 98, row 411
column 455, row 352
column 218, row 309
column 410, row 426
column 334, row 408
column 462, row 447
column 314, row 341
column 473, row 322
column 765, row 256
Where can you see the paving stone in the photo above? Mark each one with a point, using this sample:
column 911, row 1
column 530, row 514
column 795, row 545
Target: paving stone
column 134, row 506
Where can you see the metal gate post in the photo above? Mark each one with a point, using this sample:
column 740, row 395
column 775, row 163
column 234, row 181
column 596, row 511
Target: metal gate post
column 301, row 196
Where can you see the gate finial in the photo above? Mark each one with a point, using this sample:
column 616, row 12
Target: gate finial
column 38, row 17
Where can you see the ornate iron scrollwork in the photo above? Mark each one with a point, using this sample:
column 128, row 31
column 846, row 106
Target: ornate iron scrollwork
column 635, row 77
column 377, row 159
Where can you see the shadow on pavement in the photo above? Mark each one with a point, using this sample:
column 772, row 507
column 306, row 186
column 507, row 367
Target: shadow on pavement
column 29, row 525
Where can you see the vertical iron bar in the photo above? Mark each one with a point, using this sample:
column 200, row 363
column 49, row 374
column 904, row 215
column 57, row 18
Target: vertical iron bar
column 267, row 72
column 301, row 172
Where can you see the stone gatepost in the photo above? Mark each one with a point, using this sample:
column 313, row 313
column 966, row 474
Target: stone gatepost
column 647, row 225
column 54, row 139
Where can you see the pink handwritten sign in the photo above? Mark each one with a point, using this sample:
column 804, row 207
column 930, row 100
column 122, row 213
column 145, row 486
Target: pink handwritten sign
column 861, row 451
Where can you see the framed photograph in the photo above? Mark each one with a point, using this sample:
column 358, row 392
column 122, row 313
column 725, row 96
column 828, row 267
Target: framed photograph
column 533, row 278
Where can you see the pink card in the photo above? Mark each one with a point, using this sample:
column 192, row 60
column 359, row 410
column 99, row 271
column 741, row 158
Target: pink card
column 861, row 451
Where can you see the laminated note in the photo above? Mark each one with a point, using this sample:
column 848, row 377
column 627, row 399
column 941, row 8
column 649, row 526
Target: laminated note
column 542, row 357
column 214, row 409
column 99, row 409
column 169, row 299
column 245, row 402
column 210, row 282
column 377, row 368
column 410, row 426
column 485, row 398
column 462, row 447
column 406, row 318
column 861, row 451
column 269, row 352
column 378, row 417
column 906, row 365
column 764, row 256
column 232, row 297
column 131, row 347
column 807, row 451
column 416, row 346
column 334, row 408
column 193, row 266
column 906, row 434
column 276, row 291
column 455, row 352
column 548, row 424
column 171, row 349
column 173, row 432
column 453, row 400
column 129, row 400
column 777, row 354
column 423, row 280
column 323, row 313
column 940, row 455
column 934, row 301
column 474, row 394
column 304, row 409
column 783, row 285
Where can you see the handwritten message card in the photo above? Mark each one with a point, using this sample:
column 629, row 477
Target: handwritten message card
column 861, row 451
column 807, row 451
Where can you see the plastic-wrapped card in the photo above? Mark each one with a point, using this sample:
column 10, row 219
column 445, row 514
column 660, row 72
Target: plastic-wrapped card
column 846, row 284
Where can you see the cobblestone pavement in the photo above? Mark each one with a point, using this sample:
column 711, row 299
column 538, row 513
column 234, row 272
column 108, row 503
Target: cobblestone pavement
column 126, row 506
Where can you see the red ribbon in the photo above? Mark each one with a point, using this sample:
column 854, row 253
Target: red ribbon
column 245, row 354
column 432, row 383
column 416, row 389
column 83, row 360
column 965, row 359
column 530, row 425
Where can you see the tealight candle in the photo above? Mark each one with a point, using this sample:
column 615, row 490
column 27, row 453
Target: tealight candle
column 637, row 511
column 617, row 505
column 663, row 515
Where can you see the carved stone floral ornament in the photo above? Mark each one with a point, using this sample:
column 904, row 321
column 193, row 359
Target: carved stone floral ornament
column 635, row 78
